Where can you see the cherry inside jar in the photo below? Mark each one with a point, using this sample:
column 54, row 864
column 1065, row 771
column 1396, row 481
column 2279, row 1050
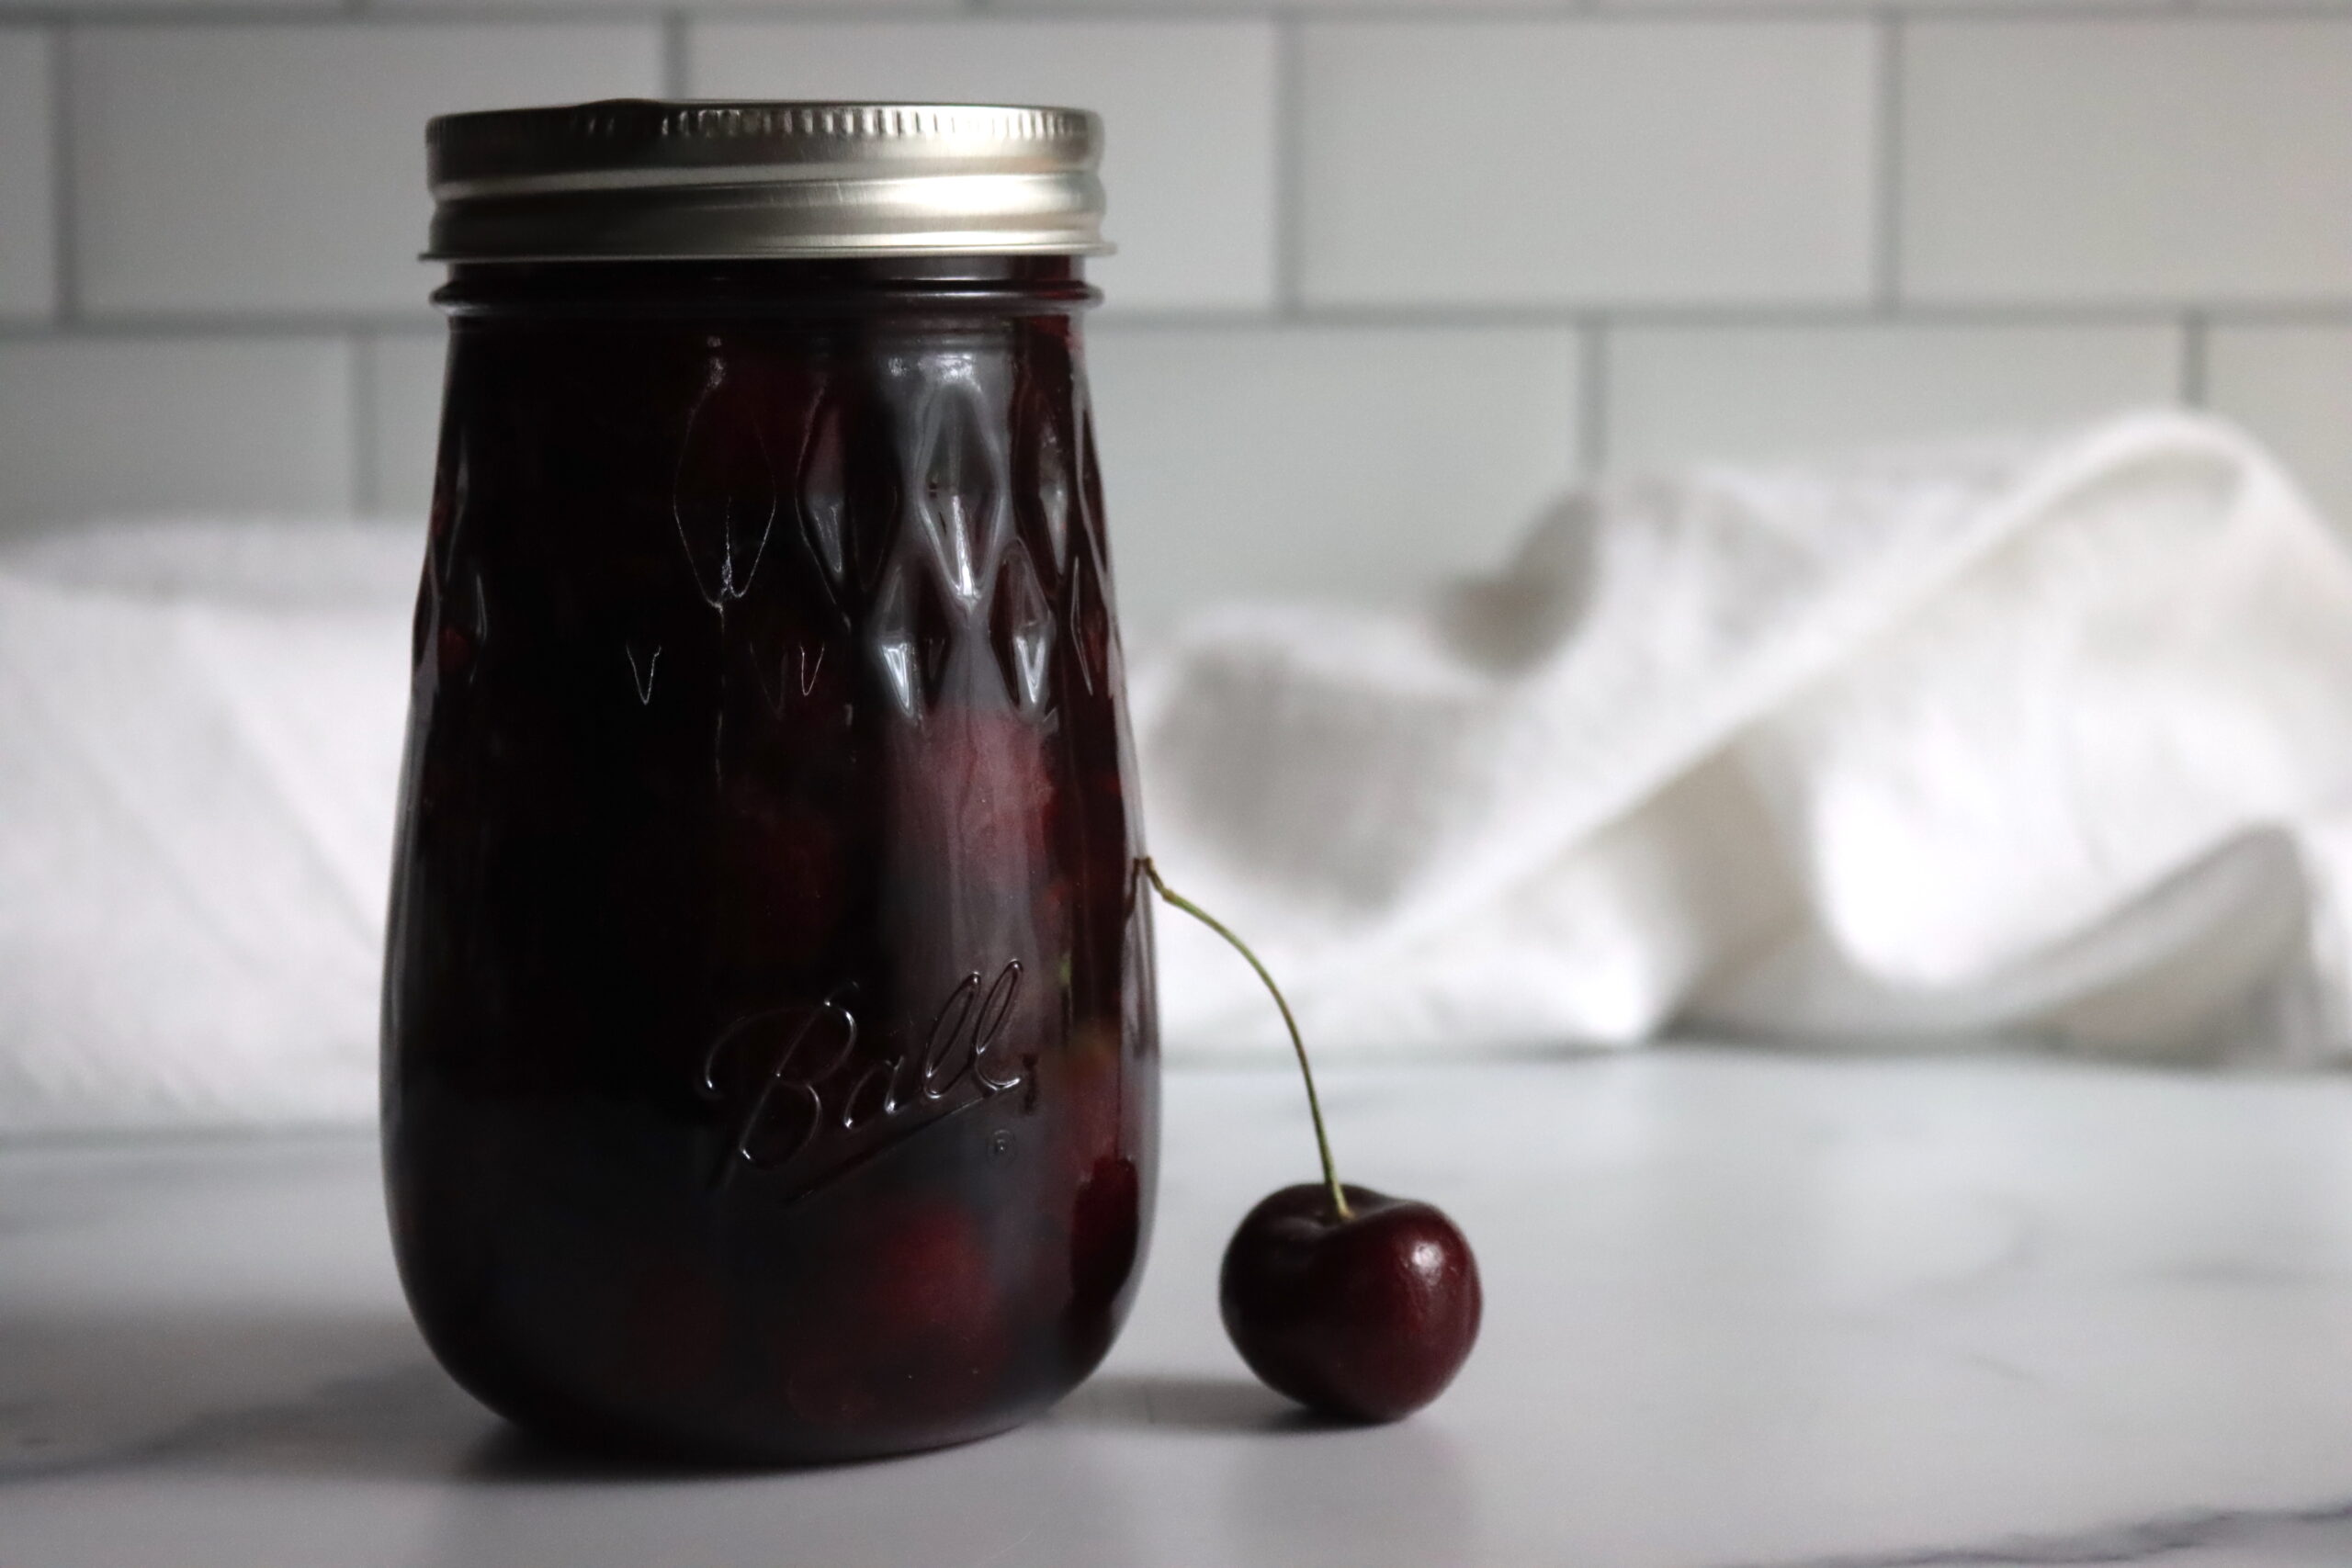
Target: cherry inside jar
column 770, row 1070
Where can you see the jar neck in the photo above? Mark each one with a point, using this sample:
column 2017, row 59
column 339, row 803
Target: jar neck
column 1021, row 285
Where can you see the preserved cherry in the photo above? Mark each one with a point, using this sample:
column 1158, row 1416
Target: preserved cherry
column 770, row 1070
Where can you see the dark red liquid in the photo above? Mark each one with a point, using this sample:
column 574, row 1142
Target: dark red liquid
column 769, row 1057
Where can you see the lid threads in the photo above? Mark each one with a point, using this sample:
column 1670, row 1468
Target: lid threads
column 647, row 179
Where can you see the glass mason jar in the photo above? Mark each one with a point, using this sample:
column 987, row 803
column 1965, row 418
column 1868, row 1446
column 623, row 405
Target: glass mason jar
column 770, row 1068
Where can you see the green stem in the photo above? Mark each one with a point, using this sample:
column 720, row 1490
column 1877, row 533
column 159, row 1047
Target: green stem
column 1314, row 1105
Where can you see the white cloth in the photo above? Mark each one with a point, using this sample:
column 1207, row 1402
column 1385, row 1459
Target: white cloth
column 200, row 738
column 2050, row 740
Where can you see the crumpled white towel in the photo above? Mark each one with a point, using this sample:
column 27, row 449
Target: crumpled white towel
column 2050, row 741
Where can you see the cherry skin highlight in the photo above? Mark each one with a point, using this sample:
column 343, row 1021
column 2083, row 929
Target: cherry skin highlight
column 1365, row 1317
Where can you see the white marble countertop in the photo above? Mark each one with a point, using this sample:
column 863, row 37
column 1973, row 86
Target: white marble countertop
column 1743, row 1310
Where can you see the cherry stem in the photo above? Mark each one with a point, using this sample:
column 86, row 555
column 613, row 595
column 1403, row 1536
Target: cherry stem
column 1314, row 1105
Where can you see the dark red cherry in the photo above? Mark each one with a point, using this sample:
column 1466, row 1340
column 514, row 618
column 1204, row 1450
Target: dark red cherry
column 903, row 1320
column 1366, row 1316
column 1352, row 1302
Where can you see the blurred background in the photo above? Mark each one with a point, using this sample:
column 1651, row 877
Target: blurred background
column 1394, row 279
column 1392, row 274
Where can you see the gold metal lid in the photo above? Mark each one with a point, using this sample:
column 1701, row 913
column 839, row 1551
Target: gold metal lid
column 641, row 179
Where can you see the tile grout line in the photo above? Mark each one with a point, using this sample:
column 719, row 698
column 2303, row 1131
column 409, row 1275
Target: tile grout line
column 673, row 55
column 360, row 348
column 2195, row 349
column 65, row 257
column 204, row 326
column 1289, row 71
column 1887, row 258
column 1665, row 13
column 1592, row 393
column 2311, row 313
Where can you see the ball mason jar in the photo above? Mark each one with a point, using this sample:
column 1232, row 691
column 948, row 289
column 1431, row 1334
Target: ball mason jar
column 770, row 1070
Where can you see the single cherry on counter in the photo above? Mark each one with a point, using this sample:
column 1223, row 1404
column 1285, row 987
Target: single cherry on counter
column 1356, row 1305
column 1365, row 1315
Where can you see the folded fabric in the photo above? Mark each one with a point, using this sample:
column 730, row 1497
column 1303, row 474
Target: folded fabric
column 199, row 736
column 2049, row 742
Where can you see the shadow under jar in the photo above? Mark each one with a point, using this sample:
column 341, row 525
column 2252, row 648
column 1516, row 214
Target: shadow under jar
column 770, row 1070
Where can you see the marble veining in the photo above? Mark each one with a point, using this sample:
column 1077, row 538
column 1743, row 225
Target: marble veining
column 2165, row 1539
column 1747, row 1311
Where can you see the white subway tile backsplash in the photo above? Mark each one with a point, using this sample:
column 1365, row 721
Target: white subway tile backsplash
column 400, row 391
column 194, row 10
column 2292, row 387
column 1473, row 9
column 1189, row 157
column 2133, row 158
column 116, row 426
column 876, row 8
column 264, row 168
column 1594, row 161
column 1385, row 226
column 1681, row 393
column 1338, row 463
column 27, row 176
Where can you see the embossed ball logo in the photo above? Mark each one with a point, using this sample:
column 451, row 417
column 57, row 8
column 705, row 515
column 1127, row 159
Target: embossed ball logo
column 802, row 1104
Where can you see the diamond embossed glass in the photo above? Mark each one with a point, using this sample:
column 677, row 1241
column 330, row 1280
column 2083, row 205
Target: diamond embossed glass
column 770, row 1070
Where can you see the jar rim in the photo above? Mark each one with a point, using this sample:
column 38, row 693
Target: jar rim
column 692, row 180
